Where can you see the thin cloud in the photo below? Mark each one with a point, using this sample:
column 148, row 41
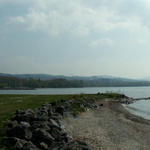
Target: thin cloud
column 18, row 19
column 102, row 42
column 76, row 18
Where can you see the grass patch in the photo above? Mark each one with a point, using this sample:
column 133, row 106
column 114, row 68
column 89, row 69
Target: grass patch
column 10, row 103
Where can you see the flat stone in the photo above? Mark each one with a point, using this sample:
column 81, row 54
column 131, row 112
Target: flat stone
column 53, row 123
column 44, row 146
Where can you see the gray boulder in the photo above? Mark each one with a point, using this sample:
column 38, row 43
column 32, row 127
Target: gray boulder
column 60, row 110
column 40, row 135
column 19, row 131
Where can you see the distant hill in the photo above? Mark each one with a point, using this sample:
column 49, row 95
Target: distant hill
column 50, row 77
column 146, row 79
column 45, row 80
column 37, row 76
column 5, row 75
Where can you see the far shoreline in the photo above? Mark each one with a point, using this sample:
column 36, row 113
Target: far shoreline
column 28, row 88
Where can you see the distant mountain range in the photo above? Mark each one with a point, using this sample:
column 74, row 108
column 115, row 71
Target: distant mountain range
column 145, row 79
column 51, row 77
column 45, row 80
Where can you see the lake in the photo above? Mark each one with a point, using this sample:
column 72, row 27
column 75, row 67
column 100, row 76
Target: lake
column 141, row 108
column 136, row 92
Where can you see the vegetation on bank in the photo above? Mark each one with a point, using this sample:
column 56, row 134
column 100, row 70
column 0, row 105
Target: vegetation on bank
column 9, row 82
column 13, row 82
column 10, row 103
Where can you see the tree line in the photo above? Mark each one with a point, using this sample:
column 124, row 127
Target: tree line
column 14, row 82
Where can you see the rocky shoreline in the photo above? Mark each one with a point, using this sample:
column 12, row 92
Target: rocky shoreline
column 41, row 129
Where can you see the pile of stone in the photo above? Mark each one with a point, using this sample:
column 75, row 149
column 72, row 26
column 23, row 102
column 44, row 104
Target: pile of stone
column 126, row 100
column 41, row 129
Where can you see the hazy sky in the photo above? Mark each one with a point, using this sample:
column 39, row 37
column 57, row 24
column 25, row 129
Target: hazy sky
column 75, row 37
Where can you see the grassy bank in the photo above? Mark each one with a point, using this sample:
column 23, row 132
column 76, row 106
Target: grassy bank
column 10, row 103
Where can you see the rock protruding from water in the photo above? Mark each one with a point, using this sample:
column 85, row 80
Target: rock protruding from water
column 126, row 100
column 41, row 129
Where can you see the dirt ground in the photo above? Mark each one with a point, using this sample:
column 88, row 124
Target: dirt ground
column 111, row 127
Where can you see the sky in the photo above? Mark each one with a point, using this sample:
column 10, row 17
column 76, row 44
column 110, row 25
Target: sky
column 75, row 37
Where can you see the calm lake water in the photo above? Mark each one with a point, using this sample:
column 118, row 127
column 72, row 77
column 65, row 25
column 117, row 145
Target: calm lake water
column 141, row 108
column 136, row 92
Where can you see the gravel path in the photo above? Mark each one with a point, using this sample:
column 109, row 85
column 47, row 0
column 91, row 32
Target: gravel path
column 110, row 128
